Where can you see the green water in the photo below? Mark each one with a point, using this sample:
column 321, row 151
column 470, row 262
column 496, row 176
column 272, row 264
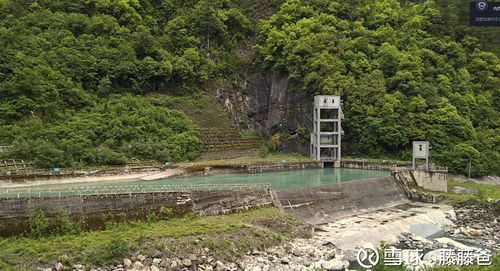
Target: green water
column 282, row 180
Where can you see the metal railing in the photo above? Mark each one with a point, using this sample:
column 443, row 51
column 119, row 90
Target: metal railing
column 26, row 168
column 381, row 161
column 433, row 168
column 41, row 192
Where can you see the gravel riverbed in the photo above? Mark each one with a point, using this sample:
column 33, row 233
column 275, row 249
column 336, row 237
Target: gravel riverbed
column 470, row 226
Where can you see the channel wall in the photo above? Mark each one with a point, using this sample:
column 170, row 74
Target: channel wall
column 93, row 211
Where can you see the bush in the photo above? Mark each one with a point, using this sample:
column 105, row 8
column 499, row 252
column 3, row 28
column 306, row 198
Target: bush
column 64, row 225
column 39, row 224
column 158, row 151
column 166, row 213
column 152, row 217
column 112, row 220
column 106, row 156
column 264, row 150
column 110, row 253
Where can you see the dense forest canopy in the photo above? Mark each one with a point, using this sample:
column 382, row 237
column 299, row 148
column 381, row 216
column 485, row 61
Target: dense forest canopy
column 85, row 82
column 64, row 64
column 403, row 77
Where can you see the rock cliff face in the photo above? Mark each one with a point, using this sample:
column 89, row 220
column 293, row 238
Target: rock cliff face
column 279, row 104
column 265, row 101
column 271, row 104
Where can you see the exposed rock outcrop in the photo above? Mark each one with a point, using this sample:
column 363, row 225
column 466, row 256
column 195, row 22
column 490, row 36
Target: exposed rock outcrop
column 270, row 103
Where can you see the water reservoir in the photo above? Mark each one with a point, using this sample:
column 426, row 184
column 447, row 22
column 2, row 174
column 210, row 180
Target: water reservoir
column 283, row 180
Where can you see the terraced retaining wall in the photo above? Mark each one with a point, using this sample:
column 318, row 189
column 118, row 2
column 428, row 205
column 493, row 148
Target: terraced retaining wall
column 94, row 210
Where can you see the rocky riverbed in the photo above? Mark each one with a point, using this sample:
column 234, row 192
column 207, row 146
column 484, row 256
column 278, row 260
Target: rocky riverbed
column 463, row 226
column 299, row 254
column 474, row 226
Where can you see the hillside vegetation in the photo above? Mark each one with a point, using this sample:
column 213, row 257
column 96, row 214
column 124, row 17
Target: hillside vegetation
column 402, row 77
column 76, row 76
column 99, row 82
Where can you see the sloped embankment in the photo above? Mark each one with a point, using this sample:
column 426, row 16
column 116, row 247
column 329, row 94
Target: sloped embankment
column 320, row 204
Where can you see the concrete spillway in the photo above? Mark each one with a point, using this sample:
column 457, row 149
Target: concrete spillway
column 320, row 204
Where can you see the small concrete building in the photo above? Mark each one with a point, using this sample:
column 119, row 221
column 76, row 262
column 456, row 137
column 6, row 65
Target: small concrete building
column 421, row 150
column 327, row 129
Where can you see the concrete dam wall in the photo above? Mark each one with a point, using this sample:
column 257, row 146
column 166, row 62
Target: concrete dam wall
column 319, row 204
column 316, row 204
column 360, row 164
column 94, row 210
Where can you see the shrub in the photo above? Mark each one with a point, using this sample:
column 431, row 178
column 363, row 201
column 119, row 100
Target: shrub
column 39, row 224
column 166, row 213
column 64, row 225
column 264, row 151
column 110, row 253
column 106, row 156
column 152, row 217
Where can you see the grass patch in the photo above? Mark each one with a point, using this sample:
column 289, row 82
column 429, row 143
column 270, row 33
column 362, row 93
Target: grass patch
column 453, row 199
column 495, row 266
column 486, row 192
column 111, row 245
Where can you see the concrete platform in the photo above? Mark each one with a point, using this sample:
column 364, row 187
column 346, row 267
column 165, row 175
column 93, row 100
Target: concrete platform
column 163, row 174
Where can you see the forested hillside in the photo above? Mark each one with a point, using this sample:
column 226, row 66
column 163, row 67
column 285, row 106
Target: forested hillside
column 87, row 82
column 455, row 24
column 402, row 77
column 75, row 76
